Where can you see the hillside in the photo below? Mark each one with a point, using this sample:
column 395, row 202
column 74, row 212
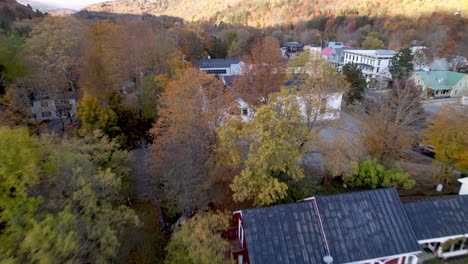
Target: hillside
column 261, row 13
column 11, row 11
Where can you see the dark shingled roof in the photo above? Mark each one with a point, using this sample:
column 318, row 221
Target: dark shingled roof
column 439, row 217
column 216, row 63
column 283, row 234
column 366, row 225
column 358, row 226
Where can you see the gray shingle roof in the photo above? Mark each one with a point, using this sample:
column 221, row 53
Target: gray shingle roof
column 216, row 63
column 283, row 234
column 366, row 225
column 439, row 217
column 358, row 226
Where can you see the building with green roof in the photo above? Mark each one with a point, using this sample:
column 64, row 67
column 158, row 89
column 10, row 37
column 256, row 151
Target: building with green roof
column 442, row 83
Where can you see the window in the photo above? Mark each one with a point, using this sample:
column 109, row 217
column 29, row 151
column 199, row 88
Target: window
column 323, row 106
column 245, row 111
column 46, row 114
column 44, row 103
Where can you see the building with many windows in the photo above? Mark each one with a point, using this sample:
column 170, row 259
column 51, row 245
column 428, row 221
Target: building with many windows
column 371, row 62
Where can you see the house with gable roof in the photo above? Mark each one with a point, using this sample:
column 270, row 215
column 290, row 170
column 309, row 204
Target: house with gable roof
column 220, row 67
column 441, row 84
column 367, row 227
column 360, row 227
column 441, row 224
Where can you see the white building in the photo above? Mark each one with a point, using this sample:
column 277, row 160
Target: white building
column 49, row 109
column 371, row 62
column 220, row 67
column 330, row 108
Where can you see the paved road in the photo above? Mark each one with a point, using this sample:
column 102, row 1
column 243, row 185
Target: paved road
column 432, row 106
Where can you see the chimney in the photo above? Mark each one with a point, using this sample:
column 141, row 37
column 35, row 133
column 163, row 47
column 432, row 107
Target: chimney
column 464, row 186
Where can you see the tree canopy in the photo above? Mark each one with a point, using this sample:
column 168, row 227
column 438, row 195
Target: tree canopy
column 272, row 144
column 60, row 200
column 199, row 240
column 447, row 132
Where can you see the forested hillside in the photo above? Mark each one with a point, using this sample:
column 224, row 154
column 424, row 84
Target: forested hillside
column 262, row 13
column 438, row 24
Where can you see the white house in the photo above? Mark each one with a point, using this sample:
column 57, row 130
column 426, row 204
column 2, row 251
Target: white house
column 49, row 109
column 330, row 108
column 371, row 62
column 220, row 67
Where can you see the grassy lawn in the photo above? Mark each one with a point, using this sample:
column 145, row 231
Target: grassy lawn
column 459, row 260
column 144, row 243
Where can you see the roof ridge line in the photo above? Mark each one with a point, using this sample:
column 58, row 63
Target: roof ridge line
column 322, row 231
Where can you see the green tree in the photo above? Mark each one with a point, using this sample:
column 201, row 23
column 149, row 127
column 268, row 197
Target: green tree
column 357, row 83
column 20, row 158
column 62, row 198
column 374, row 175
column 11, row 65
column 372, row 43
column 273, row 141
column 199, row 240
column 402, row 64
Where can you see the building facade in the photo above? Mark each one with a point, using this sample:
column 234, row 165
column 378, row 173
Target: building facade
column 371, row 62
column 440, row 84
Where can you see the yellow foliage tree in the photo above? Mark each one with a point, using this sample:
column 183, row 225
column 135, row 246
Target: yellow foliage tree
column 448, row 133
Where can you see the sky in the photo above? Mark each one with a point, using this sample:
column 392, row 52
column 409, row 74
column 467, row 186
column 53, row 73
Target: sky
column 50, row 4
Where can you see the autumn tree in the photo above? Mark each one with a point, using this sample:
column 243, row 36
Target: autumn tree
column 391, row 121
column 342, row 155
column 56, row 45
column 263, row 72
column 402, row 64
column 447, row 132
column 193, row 104
column 62, row 198
column 94, row 116
column 267, row 148
column 199, row 240
column 318, row 84
column 357, row 83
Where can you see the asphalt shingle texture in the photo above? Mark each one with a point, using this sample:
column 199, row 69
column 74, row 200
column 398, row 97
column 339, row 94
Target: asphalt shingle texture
column 366, row 225
column 283, row 234
column 439, row 217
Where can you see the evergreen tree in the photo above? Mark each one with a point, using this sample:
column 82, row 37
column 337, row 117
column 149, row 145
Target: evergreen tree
column 357, row 83
column 402, row 64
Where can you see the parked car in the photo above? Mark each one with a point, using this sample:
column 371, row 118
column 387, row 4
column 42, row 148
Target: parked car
column 427, row 150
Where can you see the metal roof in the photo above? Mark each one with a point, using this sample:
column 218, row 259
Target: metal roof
column 216, row 63
column 439, row 217
column 283, row 234
column 385, row 52
column 358, row 226
column 441, row 80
